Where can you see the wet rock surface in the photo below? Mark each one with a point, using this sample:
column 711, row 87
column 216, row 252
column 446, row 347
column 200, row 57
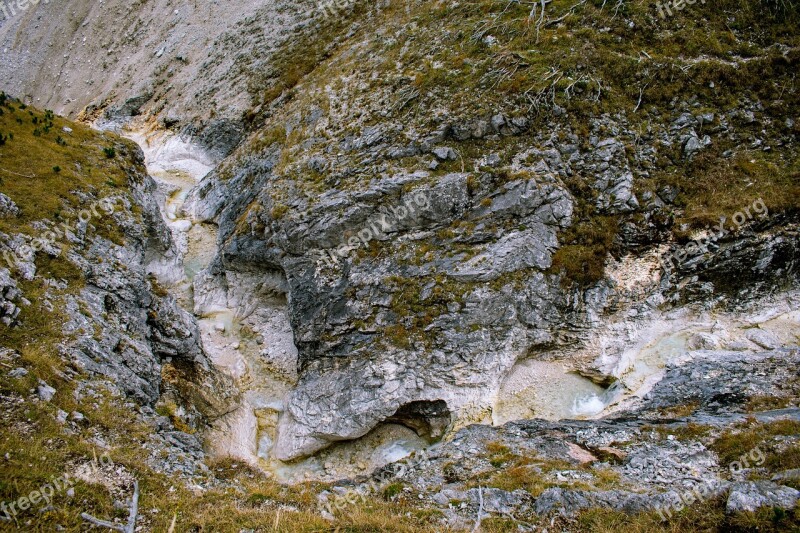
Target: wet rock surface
column 559, row 465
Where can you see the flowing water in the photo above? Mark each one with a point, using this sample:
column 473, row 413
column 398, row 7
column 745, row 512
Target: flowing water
column 539, row 389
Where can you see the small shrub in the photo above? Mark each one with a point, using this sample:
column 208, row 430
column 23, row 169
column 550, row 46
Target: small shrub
column 56, row 169
column 279, row 210
column 110, row 152
column 392, row 490
column 499, row 454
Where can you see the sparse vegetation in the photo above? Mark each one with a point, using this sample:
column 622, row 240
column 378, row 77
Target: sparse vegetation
column 757, row 404
column 29, row 178
column 683, row 432
column 708, row 516
column 781, row 452
column 489, row 56
column 471, row 59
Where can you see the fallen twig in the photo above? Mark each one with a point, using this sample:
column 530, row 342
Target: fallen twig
column 17, row 174
column 480, row 511
column 130, row 527
column 569, row 12
column 641, row 92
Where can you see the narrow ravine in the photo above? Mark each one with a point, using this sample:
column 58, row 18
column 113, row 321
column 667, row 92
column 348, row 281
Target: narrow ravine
column 245, row 331
column 233, row 338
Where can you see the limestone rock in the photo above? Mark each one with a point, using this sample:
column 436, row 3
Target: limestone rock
column 8, row 208
column 750, row 496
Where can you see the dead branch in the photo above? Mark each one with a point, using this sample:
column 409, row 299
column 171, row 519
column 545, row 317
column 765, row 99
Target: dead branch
column 570, row 11
column 17, row 174
column 130, row 527
column 641, row 92
column 480, row 510
column 102, row 523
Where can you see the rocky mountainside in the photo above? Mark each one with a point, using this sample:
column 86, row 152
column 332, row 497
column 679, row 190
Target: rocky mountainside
column 184, row 66
column 409, row 265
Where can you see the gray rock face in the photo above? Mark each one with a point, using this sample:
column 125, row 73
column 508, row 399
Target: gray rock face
column 174, row 333
column 750, row 496
column 119, row 300
column 615, row 179
column 695, row 144
column 704, row 341
column 18, row 373
column 499, row 501
column 406, row 287
column 218, row 137
column 308, row 250
column 569, row 502
column 748, row 265
column 657, row 472
column 445, row 153
column 10, row 298
column 668, row 464
column 764, row 339
column 118, row 80
column 45, row 392
column 372, row 390
column 8, row 208
column 532, row 248
column 116, row 326
column 723, row 381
